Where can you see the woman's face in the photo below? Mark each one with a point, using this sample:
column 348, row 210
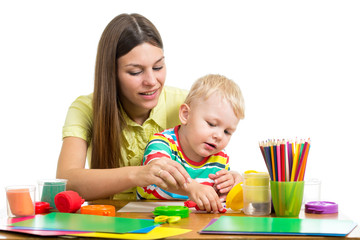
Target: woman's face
column 141, row 73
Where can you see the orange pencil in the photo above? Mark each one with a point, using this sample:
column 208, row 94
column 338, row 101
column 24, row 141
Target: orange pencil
column 303, row 168
column 272, row 161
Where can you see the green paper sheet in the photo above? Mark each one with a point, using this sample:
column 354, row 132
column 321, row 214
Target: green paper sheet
column 85, row 222
column 280, row 226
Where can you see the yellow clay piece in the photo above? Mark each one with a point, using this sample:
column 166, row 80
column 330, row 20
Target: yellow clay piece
column 173, row 219
column 168, row 219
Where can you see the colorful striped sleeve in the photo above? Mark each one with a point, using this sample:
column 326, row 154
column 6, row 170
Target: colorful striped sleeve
column 159, row 146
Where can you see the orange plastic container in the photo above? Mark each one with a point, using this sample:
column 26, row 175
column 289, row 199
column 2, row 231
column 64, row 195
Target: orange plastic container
column 102, row 210
column 20, row 202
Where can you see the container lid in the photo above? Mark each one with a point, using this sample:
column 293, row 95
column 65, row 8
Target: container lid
column 235, row 198
column 42, row 207
column 68, row 201
column 181, row 211
column 255, row 178
column 321, row 207
column 102, row 210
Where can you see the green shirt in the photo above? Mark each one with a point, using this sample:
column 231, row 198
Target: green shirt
column 79, row 123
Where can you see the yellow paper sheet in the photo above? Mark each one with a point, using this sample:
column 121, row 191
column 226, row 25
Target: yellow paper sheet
column 156, row 233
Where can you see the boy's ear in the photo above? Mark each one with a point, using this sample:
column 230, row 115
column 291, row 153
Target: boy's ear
column 184, row 113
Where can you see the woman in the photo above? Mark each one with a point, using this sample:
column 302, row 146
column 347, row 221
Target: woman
column 112, row 126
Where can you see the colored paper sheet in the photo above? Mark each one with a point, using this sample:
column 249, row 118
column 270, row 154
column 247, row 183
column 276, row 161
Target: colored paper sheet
column 19, row 219
column 279, row 226
column 85, row 222
column 144, row 230
column 157, row 233
column 39, row 232
column 33, row 231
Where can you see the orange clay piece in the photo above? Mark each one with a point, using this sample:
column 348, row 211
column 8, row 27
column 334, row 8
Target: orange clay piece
column 20, row 202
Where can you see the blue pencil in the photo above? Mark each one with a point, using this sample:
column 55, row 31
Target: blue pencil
column 268, row 156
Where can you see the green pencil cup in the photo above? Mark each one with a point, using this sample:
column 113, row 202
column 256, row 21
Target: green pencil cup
column 49, row 188
column 287, row 198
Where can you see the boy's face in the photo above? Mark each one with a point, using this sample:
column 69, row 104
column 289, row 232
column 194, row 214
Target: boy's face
column 207, row 126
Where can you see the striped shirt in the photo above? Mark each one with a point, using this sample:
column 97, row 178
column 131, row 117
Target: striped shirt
column 166, row 144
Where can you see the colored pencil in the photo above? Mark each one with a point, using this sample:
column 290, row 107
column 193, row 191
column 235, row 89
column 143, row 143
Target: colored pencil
column 278, row 159
column 301, row 160
column 305, row 161
column 272, row 162
column 284, row 159
column 282, row 153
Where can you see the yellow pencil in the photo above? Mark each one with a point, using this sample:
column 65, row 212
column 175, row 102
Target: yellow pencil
column 295, row 161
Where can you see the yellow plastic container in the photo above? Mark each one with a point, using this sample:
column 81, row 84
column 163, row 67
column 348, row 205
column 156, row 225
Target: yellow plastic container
column 257, row 194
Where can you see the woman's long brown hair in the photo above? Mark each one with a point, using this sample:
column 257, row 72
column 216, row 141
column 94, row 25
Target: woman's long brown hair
column 122, row 34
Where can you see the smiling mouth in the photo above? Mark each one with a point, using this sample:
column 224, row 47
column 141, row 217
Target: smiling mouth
column 148, row 93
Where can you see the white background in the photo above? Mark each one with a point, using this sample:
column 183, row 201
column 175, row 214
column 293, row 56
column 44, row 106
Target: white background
column 297, row 63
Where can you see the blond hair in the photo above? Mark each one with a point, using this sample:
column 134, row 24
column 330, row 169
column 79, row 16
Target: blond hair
column 209, row 84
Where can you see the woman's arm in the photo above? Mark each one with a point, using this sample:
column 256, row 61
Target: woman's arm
column 101, row 183
column 89, row 183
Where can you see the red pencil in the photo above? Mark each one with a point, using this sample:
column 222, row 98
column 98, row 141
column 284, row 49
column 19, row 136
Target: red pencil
column 282, row 152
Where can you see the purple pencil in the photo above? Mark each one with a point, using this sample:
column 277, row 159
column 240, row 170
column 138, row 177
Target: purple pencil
column 290, row 153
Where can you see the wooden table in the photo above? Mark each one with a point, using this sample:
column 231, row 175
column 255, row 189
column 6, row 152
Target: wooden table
column 197, row 221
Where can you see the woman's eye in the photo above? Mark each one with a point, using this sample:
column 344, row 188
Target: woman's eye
column 134, row 73
column 157, row 68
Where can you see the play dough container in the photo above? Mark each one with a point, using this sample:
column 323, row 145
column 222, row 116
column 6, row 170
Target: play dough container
column 20, row 201
column 49, row 188
column 257, row 194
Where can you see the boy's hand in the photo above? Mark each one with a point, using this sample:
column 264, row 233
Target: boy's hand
column 224, row 181
column 205, row 197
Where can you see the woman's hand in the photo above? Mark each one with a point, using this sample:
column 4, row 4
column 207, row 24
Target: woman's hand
column 205, row 197
column 165, row 173
column 224, row 181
